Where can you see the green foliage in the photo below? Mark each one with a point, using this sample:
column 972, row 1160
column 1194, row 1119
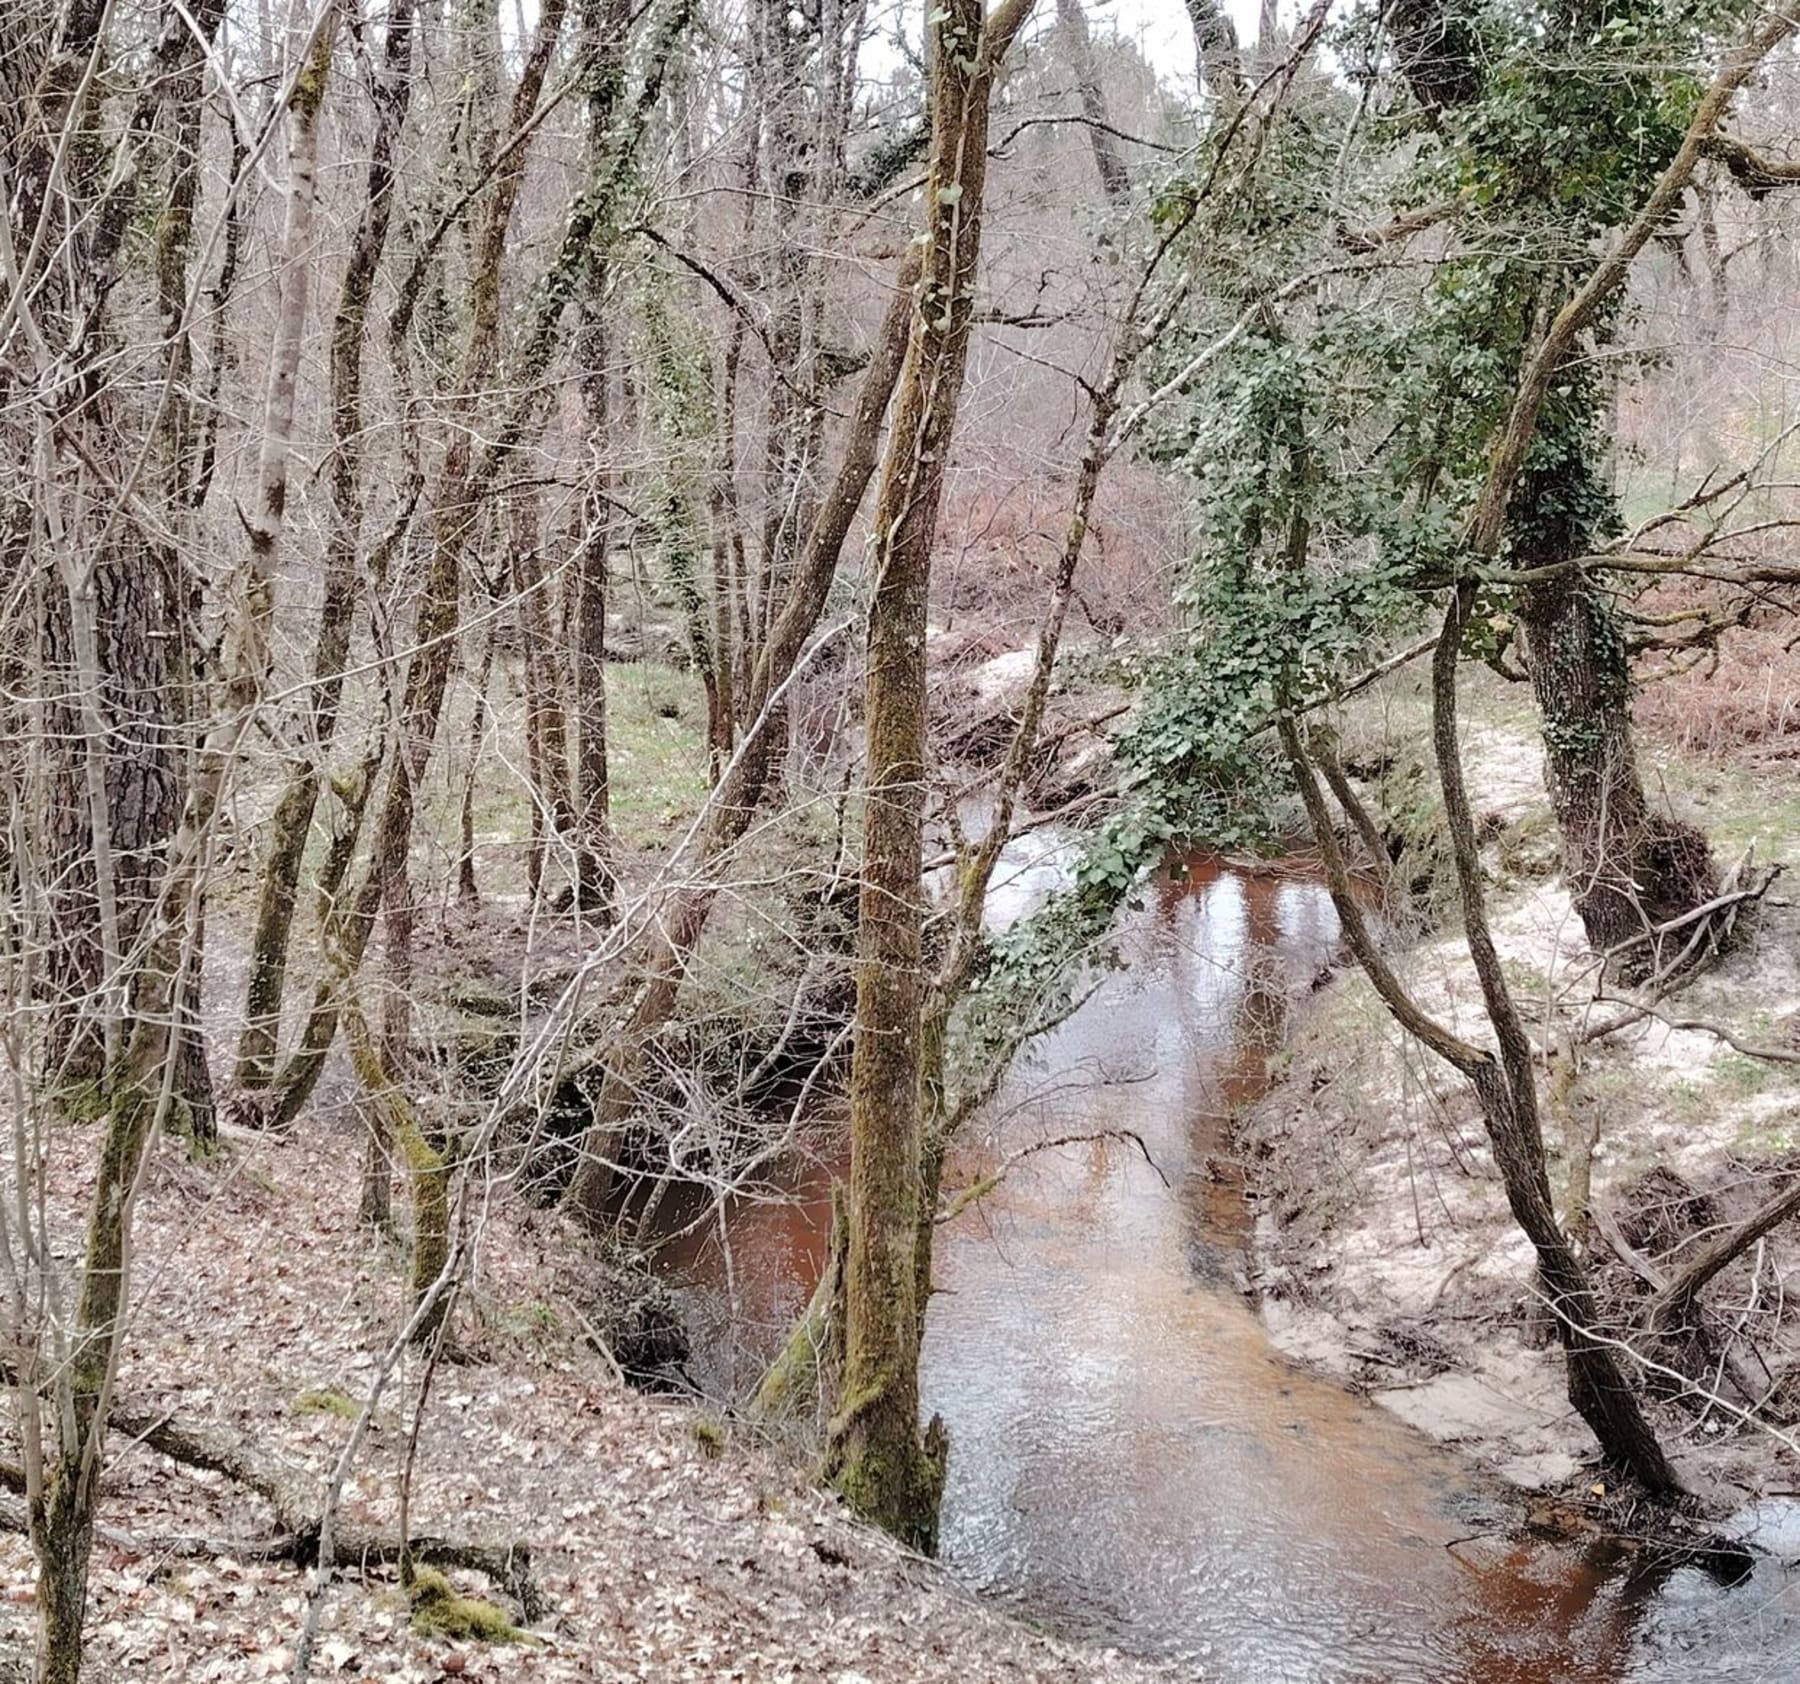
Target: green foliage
column 1579, row 113
column 681, row 393
column 531, row 1319
column 1336, row 443
column 1336, row 446
column 1034, row 970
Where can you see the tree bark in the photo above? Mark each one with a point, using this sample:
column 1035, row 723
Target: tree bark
column 596, row 889
column 657, row 961
column 1628, row 868
column 1218, row 63
column 456, row 510
column 875, row 1454
column 1505, row 1086
column 1078, row 42
column 141, row 1081
column 546, row 721
column 427, row 1165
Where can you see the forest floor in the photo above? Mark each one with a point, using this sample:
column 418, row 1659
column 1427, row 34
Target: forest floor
column 665, row 1546
column 1384, row 1251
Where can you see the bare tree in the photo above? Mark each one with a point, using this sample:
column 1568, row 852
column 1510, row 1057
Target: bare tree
column 292, row 821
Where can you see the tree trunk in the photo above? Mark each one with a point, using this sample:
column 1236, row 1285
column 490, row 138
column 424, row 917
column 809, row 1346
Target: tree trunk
column 468, row 886
column 1505, row 1086
column 546, row 722
column 457, row 509
column 1508, row 1092
column 64, row 1551
column 427, row 1165
column 596, row 889
column 875, row 1455
column 1628, row 868
column 1218, row 64
column 141, row 1079
column 658, row 960
column 1078, row 43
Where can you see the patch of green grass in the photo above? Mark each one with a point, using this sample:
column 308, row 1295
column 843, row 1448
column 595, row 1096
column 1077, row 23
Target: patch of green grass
column 1765, row 1138
column 656, row 754
column 1685, row 1099
column 327, row 1400
column 529, row 1319
column 656, row 750
column 1742, row 1074
column 1525, row 980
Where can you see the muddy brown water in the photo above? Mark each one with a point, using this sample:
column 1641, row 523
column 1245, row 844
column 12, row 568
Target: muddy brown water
column 1131, row 1461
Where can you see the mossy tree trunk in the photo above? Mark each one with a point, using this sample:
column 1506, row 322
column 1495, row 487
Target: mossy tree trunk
column 811, row 1361
column 597, row 888
column 1504, row 1085
column 428, row 1166
column 141, row 1078
column 1628, row 867
column 457, row 506
column 876, row 1455
column 546, row 718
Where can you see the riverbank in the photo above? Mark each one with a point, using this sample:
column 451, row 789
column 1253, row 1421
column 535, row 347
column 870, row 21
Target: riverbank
column 663, row 1546
column 1384, row 1253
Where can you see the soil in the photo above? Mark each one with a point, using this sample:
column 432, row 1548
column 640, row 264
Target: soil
column 1384, row 1253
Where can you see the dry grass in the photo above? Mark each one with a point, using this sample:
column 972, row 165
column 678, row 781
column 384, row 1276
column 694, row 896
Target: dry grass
column 1743, row 696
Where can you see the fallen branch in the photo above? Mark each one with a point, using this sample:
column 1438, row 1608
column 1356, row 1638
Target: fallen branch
column 979, row 1188
column 1711, row 923
column 1673, row 1306
column 1750, row 1049
column 299, row 1527
column 1637, row 1011
column 1670, row 1318
column 1607, row 1226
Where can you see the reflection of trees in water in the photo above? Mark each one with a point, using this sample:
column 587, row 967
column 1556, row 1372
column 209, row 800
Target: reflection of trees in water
column 1236, row 946
column 1539, row 1614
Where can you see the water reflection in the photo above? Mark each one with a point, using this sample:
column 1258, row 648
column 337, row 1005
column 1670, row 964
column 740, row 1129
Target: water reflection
column 1130, row 1459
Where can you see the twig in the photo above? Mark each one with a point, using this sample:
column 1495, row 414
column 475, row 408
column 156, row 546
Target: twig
column 982, row 1186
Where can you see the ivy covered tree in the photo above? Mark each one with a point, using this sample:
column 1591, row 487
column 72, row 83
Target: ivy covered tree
column 1408, row 250
column 1549, row 141
column 1412, row 420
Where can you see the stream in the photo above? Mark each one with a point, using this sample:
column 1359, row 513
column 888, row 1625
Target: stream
column 1131, row 1461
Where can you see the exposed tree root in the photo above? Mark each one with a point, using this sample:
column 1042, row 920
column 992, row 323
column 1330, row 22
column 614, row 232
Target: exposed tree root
column 1663, row 1537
